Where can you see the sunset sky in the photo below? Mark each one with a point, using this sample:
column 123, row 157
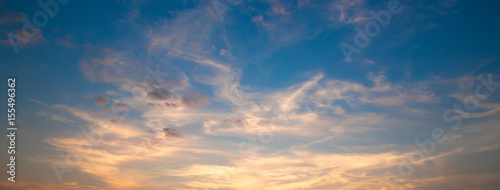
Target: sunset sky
column 253, row 94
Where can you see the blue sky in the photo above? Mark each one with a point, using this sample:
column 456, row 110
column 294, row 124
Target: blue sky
column 252, row 94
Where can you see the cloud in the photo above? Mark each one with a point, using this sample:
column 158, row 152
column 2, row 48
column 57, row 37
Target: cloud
column 160, row 94
column 297, row 170
column 348, row 12
column 113, row 67
column 300, row 166
column 61, row 119
column 124, row 143
column 259, row 20
column 223, row 52
column 11, row 18
column 36, row 101
column 301, row 3
column 170, row 132
column 14, row 21
column 101, row 100
column 194, row 99
column 26, row 42
column 325, row 131
column 67, row 41
column 383, row 93
column 120, row 105
column 185, row 36
column 280, row 10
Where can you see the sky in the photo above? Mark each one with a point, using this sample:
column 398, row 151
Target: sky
column 252, row 94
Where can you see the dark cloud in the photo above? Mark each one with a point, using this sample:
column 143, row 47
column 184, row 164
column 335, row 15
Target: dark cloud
column 122, row 106
column 160, row 94
column 170, row 132
column 194, row 99
column 101, row 101
column 171, row 105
